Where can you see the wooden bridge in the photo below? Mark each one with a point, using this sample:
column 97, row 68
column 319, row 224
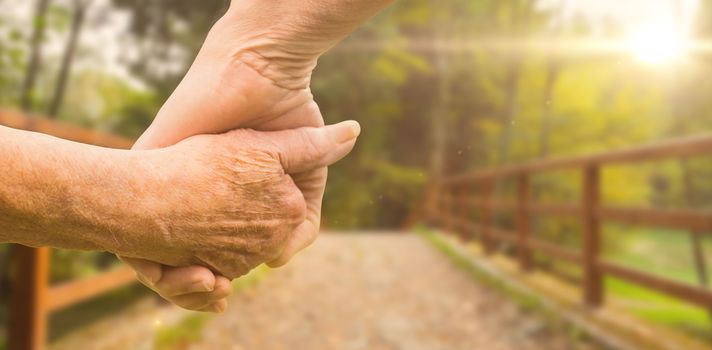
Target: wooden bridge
column 463, row 204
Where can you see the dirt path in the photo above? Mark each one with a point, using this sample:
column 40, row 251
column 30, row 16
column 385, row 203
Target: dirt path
column 368, row 291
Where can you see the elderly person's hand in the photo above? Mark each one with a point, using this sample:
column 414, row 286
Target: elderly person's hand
column 253, row 71
column 226, row 202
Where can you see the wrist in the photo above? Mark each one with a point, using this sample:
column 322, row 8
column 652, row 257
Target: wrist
column 99, row 205
column 276, row 49
column 126, row 203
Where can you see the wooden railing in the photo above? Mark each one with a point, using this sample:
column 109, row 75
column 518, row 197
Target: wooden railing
column 453, row 207
column 33, row 298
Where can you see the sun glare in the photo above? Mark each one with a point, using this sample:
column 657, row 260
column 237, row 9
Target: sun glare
column 658, row 44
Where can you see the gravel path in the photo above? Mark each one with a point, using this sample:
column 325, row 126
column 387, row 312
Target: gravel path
column 374, row 291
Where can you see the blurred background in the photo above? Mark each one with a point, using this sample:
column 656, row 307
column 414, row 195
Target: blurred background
column 440, row 87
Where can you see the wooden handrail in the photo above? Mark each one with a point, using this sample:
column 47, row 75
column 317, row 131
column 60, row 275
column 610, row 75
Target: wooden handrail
column 17, row 120
column 685, row 219
column 70, row 293
column 698, row 221
column 590, row 213
column 692, row 294
column 679, row 148
column 33, row 299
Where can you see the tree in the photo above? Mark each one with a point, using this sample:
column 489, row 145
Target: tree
column 80, row 9
column 35, row 57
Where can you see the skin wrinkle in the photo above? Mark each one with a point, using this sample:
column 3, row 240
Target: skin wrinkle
column 182, row 205
column 266, row 51
column 245, row 233
column 286, row 51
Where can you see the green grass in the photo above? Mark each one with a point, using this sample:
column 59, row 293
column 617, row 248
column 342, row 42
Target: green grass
column 190, row 329
column 659, row 308
column 667, row 252
column 182, row 334
column 664, row 253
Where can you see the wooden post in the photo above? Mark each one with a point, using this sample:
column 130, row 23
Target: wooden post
column 593, row 277
column 525, row 258
column 487, row 185
column 450, row 226
column 436, row 210
column 28, row 316
column 464, row 212
column 425, row 211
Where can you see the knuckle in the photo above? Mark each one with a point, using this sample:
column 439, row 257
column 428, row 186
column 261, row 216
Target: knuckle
column 294, row 207
column 223, row 290
column 279, row 262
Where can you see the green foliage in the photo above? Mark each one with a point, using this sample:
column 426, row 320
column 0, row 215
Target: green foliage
column 68, row 264
column 115, row 105
column 58, row 17
column 181, row 335
column 660, row 308
column 400, row 92
column 67, row 320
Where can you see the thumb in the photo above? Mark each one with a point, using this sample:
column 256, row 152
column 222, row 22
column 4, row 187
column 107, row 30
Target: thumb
column 305, row 149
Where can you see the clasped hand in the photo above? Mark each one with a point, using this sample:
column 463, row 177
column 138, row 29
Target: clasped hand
column 227, row 203
column 253, row 71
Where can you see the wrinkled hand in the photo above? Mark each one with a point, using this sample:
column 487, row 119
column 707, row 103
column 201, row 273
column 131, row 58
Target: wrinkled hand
column 253, row 71
column 228, row 202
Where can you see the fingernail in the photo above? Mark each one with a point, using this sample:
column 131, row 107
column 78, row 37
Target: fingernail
column 347, row 131
column 204, row 286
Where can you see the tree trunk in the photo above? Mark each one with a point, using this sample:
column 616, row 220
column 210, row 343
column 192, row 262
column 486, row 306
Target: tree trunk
column 35, row 59
column 552, row 75
column 441, row 105
column 80, row 9
column 439, row 119
column 509, row 111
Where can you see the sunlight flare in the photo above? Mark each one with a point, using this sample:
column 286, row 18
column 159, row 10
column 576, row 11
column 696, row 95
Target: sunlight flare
column 658, row 44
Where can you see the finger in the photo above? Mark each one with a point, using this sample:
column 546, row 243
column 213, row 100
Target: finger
column 305, row 149
column 148, row 272
column 312, row 185
column 303, row 236
column 198, row 301
column 185, row 280
column 217, row 307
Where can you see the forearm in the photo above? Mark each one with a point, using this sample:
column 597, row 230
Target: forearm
column 321, row 20
column 63, row 194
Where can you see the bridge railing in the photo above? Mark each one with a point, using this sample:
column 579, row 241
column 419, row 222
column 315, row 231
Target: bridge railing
column 32, row 297
column 451, row 203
